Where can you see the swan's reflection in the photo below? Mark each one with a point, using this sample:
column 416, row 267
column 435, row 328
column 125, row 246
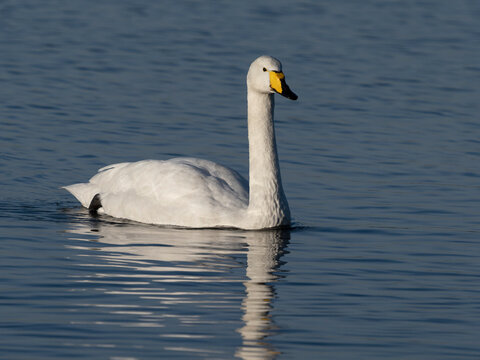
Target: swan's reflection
column 160, row 255
column 264, row 251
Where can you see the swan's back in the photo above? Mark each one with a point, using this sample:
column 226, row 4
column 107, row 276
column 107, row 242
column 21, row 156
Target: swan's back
column 179, row 191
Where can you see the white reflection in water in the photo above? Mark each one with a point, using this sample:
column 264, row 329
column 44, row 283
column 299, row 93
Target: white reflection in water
column 146, row 255
column 264, row 251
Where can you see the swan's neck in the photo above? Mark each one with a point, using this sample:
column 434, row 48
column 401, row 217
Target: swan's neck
column 267, row 200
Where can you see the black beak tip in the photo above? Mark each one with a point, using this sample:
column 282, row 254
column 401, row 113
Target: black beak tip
column 286, row 92
column 289, row 94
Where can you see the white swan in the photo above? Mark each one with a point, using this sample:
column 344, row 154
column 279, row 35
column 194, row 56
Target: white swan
column 198, row 193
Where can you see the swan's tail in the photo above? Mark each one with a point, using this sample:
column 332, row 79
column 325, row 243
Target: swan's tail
column 83, row 192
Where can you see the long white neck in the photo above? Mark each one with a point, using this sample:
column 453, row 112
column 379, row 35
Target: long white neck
column 267, row 201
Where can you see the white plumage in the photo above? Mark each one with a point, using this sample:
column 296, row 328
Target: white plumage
column 198, row 193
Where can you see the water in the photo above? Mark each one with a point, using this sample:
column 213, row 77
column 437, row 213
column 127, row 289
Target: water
column 379, row 163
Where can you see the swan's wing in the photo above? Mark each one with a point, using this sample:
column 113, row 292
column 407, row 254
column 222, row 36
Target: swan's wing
column 172, row 179
column 224, row 175
column 168, row 192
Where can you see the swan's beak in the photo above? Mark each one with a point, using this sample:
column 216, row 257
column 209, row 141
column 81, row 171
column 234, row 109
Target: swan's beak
column 278, row 84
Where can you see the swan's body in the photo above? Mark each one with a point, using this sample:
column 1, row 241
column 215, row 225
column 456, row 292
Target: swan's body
column 198, row 193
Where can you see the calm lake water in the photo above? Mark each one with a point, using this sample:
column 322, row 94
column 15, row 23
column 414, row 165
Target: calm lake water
column 380, row 163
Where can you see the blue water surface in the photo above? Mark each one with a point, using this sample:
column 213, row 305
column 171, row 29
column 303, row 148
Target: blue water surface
column 379, row 160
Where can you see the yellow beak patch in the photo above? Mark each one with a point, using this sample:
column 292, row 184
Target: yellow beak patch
column 276, row 81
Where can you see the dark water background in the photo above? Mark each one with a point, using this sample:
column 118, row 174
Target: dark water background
column 379, row 161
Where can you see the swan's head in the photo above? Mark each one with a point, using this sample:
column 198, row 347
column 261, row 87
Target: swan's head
column 265, row 76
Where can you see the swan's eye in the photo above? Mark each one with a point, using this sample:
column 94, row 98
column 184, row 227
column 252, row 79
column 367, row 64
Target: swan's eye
column 264, row 69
